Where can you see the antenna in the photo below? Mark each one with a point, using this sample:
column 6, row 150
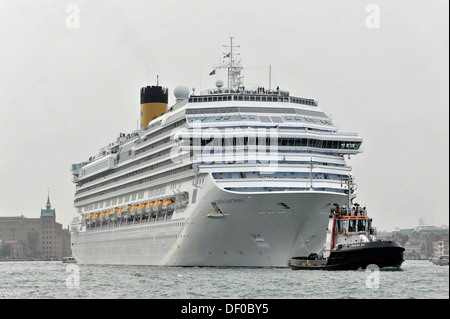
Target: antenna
column 157, row 80
column 270, row 77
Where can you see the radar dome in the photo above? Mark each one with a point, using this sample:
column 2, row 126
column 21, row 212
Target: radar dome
column 181, row 92
column 219, row 83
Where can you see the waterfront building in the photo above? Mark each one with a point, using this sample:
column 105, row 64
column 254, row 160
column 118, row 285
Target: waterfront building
column 34, row 238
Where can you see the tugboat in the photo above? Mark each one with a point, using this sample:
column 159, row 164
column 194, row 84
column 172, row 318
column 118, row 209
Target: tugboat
column 69, row 260
column 441, row 260
column 351, row 244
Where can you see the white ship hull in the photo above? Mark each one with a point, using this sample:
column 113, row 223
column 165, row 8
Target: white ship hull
column 254, row 230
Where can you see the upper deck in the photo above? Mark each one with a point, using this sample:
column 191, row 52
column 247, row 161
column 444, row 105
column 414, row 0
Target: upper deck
column 257, row 95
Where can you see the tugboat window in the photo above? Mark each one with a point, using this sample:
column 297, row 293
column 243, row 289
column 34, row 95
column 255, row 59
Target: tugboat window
column 338, row 226
column 362, row 225
column 352, row 225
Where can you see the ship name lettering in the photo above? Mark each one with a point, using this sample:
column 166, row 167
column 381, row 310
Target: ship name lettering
column 229, row 200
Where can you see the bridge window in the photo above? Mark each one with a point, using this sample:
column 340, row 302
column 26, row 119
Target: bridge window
column 352, row 225
column 362, row 224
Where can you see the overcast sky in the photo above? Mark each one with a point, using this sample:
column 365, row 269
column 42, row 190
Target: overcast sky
column 68, row 87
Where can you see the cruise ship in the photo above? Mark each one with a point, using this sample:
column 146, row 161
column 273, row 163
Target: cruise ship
column 231, row 176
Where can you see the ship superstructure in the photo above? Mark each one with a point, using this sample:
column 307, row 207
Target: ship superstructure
column 232, row 176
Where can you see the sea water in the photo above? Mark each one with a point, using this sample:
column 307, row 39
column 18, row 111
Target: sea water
column 57, row 280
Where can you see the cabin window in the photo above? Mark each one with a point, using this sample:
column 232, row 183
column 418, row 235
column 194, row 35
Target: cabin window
column 338, row 227
column 362, row 224
column 352, row 225
column 344, row 225
column 291, row 142
column 304, row 142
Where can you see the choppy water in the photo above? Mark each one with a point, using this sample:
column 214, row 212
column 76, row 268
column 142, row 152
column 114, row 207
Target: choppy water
column 55, row 280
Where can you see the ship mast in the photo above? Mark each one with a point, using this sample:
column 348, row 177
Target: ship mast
column 234, row 66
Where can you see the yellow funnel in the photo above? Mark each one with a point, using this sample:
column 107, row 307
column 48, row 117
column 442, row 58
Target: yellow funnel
column 154, row 100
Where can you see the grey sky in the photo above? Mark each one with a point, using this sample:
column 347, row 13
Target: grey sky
column 66, row 92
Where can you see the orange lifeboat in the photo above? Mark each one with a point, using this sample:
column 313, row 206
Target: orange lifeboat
column 124, row 212
column 168, row 203
column 134, row 209
column 157, row 205
column 89, row 218
column 118, row 212
column 149, row 207
column 111, row 214
column 131, row 210
column 102, row 216
column 141, row 208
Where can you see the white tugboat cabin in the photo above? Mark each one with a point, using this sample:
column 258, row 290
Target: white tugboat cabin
column 348, row 226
